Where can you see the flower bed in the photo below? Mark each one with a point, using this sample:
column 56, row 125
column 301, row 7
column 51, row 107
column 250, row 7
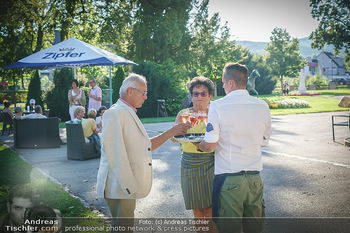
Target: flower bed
column 296, row 94
column 276, row 103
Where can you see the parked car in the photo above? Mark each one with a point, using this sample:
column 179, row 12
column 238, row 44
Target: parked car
column 340, row 81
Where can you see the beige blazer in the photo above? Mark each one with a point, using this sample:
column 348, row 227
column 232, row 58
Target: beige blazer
column 126, row 159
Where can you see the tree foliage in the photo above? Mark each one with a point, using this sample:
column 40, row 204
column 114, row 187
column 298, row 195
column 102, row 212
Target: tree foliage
column 211, row 46
column 34, row 90
column 283, row 56
column 159, row 29
column 118, row 78
column 57, row 96
column 164, row 81
column 334, row 21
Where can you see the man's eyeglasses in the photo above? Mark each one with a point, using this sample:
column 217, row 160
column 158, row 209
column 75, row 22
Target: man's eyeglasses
column 203, row 94
column 143, row 92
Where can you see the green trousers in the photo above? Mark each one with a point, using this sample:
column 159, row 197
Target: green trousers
column 241, row 204
column 122, row 211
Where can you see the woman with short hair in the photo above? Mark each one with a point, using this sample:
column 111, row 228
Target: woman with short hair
column 90, row 131
column 197, row 167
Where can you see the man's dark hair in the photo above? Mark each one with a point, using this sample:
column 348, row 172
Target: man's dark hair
column 236, row 72
column 199, row 81
column 22, row 191
column 38, row 109
column 102, row 108
column 7, row 103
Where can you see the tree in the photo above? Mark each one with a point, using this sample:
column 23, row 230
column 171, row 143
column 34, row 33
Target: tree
column 159, row 28
column 117, row 83
column 57, row 96
column 34, row 90
column 164, row 81
column 265, row 84
column 283, row 56
column 212, row 47
column 334, row 21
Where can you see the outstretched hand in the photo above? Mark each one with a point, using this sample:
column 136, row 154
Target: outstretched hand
column 181, row 128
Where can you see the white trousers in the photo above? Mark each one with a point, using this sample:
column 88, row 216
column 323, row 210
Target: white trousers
column 71, row 112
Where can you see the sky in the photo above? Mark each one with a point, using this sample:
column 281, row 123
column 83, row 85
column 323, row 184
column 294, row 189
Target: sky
column 254, row 20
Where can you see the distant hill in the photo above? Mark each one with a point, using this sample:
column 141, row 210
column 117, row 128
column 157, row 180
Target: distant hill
column 304, row 44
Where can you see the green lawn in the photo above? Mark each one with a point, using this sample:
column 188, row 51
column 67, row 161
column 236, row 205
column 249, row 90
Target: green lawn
column 14, row 171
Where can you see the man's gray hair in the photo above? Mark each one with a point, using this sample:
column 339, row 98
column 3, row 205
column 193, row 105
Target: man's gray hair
column 133, row 81
column 38, row 109
column 18, row 109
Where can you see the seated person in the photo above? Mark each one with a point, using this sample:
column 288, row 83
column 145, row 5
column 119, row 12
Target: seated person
column 79, row 113
column 38, row 114
column 18, row 112
column 7, row 109
column 98, row 119
column 89, row 129
column 32, row 105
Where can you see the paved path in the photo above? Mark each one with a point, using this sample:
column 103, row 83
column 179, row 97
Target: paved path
column 305, row 173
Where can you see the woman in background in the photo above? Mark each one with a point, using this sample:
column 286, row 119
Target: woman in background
column 79, row 114
column 7, row 109
column 76, row 97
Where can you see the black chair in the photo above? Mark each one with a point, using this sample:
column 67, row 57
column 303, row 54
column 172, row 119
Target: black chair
column 6, row 121
column 77, row 148
column 46, row 112
column 37, row 133
column 343, row 123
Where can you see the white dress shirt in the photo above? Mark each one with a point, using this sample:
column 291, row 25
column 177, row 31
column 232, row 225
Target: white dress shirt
column 240, row 124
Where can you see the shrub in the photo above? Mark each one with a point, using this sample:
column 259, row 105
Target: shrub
column 57, row 96
column 34, row 90
column 164, row 81
column 21, row 96
column 318, row 81
column 117, row 83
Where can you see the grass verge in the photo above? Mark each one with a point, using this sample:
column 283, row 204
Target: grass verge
column 14, row 171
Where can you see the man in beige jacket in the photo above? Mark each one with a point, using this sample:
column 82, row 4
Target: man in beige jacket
column 125, row 172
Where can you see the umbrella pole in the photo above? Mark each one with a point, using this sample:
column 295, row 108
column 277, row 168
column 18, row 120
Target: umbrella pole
column 75, row 72
column 110, row 86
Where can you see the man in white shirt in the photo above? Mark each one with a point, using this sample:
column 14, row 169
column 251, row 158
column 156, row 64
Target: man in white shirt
column 95, row 95
column 238, row 125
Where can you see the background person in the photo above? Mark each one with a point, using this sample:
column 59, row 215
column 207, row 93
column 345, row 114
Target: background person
column 18, row 112
column 79, row 114
column 38, row 114
column 7, row 109
column 32, row 105
column 89, row 129
column 238, row 125
column 98, row 119
column 125, row 172
column 76, row 97
column 285, row 88
column 95, row 95
column 197, row 168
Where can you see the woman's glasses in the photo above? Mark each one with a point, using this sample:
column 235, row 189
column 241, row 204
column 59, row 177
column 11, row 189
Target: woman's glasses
column 203, row 94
